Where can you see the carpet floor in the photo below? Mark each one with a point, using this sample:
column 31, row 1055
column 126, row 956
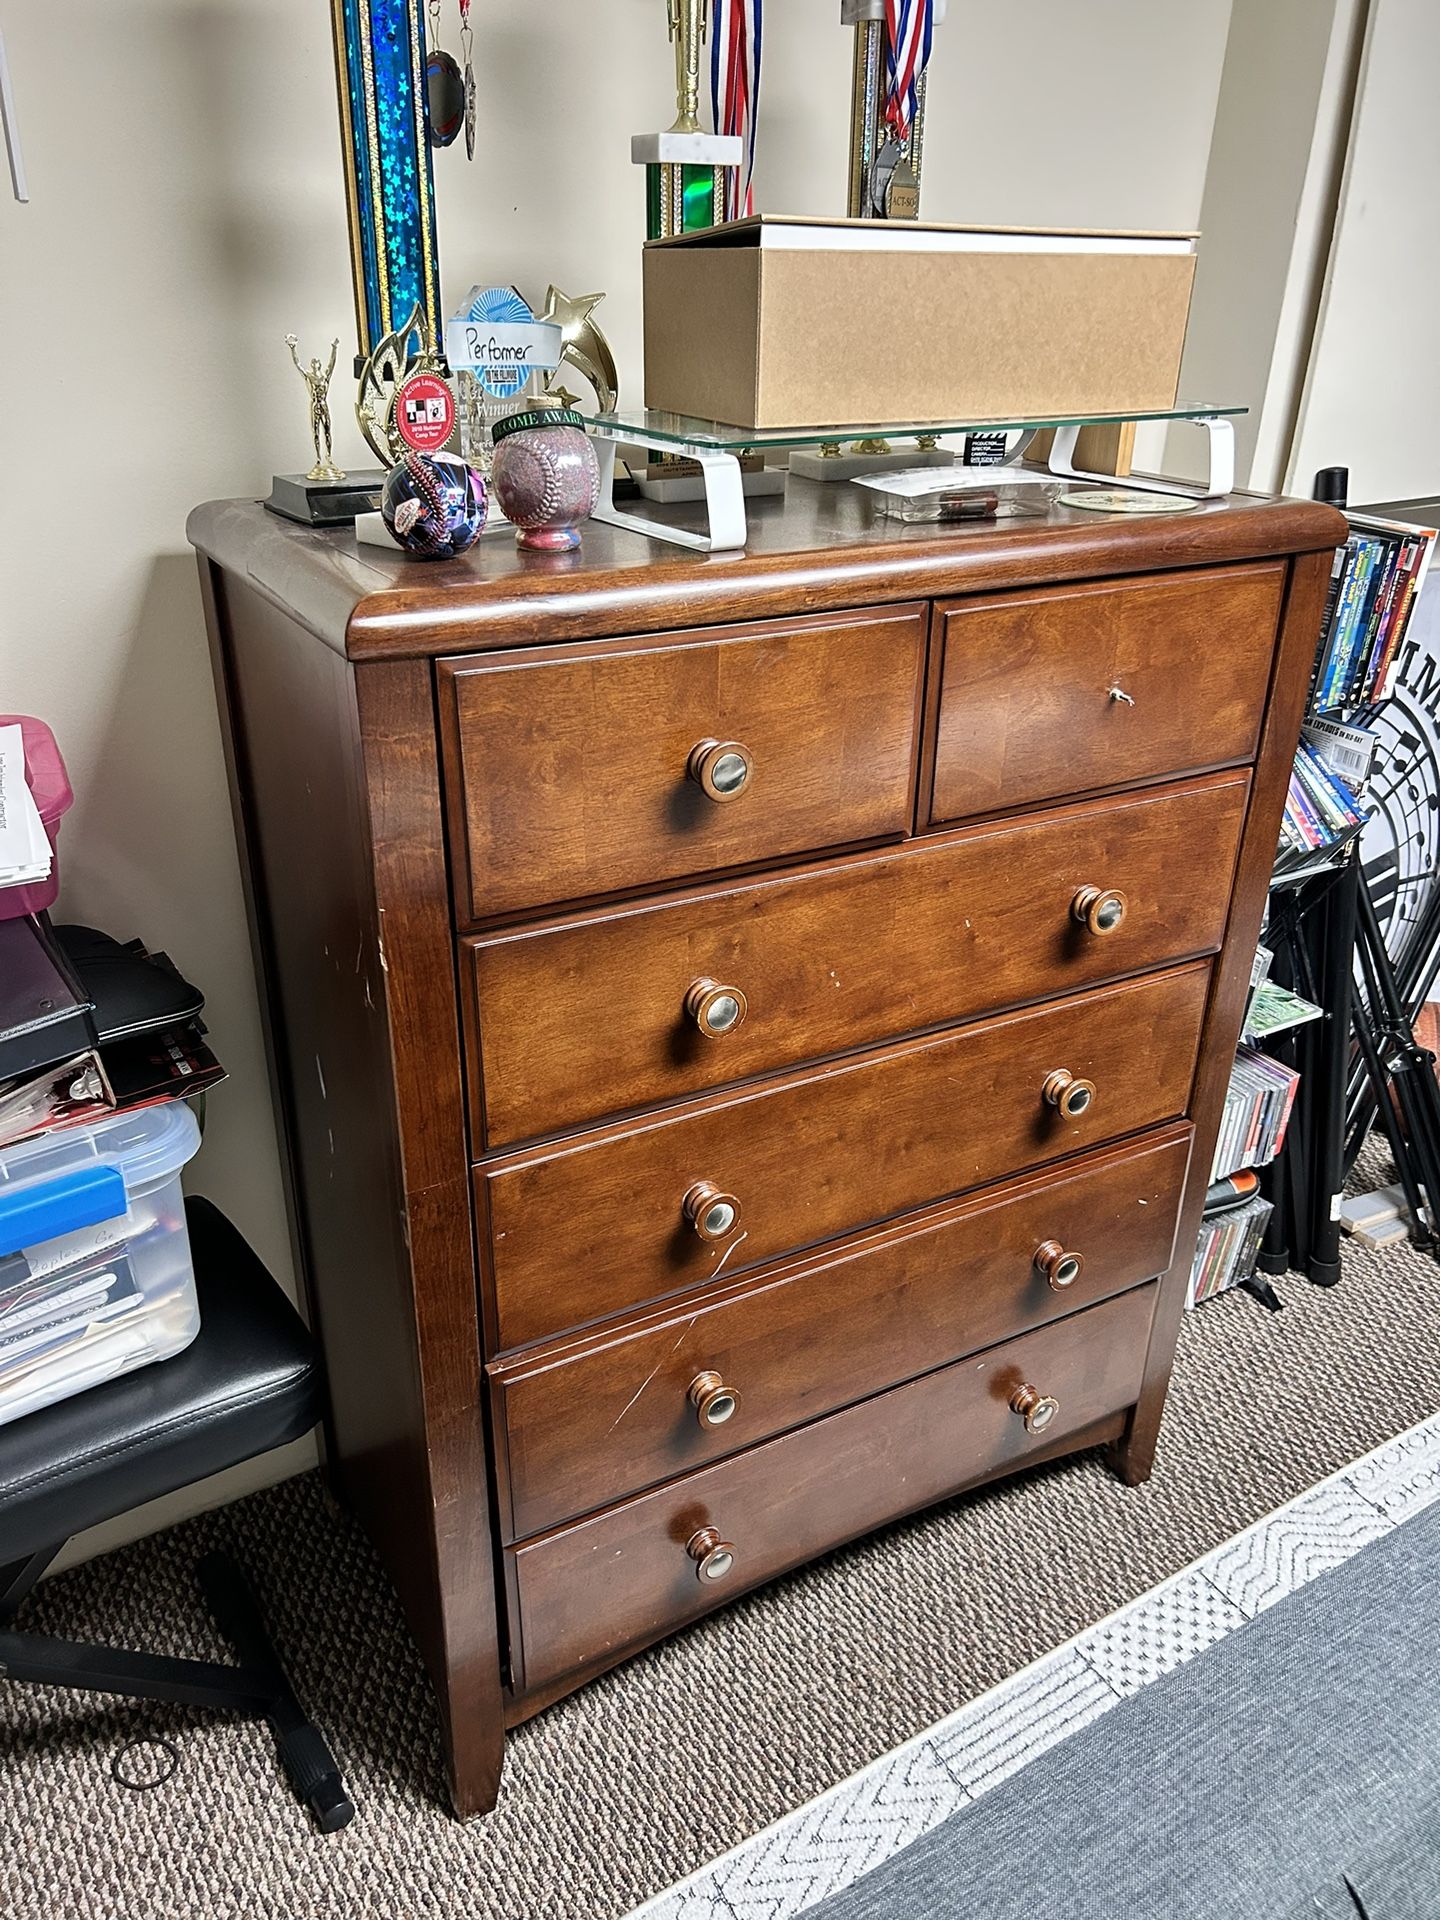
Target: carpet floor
column 646, row 1774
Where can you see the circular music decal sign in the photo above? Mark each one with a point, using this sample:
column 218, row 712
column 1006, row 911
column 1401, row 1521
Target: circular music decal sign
column 424, row 412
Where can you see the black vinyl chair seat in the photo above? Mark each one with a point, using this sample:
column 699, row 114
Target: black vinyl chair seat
column 248, row 1382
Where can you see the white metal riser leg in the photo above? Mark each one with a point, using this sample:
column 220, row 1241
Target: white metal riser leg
column 724, row 495
column 1220, row 441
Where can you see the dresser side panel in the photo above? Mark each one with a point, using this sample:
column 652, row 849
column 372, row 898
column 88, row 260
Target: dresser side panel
column 338, row 789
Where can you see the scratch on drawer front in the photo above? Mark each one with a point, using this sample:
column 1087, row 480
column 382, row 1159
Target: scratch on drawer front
column 651, row 1375
column 730, row 1249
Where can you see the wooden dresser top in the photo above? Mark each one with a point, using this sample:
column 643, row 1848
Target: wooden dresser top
column 815, row 549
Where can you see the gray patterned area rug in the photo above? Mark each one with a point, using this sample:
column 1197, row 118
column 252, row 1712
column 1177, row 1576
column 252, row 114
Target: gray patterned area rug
column 1252, row 1789
column 639, row 1780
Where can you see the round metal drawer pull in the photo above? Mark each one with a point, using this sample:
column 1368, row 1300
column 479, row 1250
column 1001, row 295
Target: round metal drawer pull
column 1100, row 909
column 1119, row 697
column 715, row 1009
column 1058, row 1264
column 1036, row 1409
column 1069, row 1096
column 713, row 1401
column 720, row 768
column 713, row 1214
column 713, row 1556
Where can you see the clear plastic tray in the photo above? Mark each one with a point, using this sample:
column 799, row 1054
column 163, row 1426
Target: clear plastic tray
column 95, row 1271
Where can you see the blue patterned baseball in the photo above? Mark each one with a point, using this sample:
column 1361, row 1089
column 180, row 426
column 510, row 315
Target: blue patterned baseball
column 434, row 505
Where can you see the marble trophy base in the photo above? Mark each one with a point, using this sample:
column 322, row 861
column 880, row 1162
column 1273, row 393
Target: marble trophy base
column 687, row 149
column 811, row 464
column 325, row 503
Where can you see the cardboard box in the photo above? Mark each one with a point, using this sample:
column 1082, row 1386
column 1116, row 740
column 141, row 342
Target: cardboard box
column 829, row 323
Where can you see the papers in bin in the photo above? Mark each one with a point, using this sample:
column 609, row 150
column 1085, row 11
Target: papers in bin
column 24, row 847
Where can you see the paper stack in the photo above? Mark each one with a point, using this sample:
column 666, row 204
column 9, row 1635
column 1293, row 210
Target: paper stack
column 25, row 855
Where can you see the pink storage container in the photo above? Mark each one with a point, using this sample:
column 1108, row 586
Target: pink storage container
column 48, row 781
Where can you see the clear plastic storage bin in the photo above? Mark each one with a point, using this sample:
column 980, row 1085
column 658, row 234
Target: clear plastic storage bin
column 95, row 1270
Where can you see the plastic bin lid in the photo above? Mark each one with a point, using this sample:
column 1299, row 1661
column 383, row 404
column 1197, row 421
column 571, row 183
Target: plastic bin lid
column 147, row 1146
column 44, row 767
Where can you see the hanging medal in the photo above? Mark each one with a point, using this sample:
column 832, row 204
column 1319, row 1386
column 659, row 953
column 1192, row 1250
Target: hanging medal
column 467, row 44
column 894, row 183
column 444, row 88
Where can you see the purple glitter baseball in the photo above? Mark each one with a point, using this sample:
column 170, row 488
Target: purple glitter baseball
column 434, row 505
column 546, row 479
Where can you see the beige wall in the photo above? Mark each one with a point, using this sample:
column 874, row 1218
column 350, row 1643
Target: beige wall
column 186, row 213
column 1281, row 127
column 1371, row 398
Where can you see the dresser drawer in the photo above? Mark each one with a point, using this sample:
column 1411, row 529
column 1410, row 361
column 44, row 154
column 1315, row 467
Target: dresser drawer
column 1049, row 693
column 587, row 1422
column 625, row 1576
column 573, row 772
column 588, row 1228
column 571, row 1022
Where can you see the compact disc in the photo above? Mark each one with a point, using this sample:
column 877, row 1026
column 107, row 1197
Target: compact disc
column 1114, row 500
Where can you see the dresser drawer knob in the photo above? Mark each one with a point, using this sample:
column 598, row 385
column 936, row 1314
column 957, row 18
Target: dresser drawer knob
column 713, row 1401
column 713, row 1556
column 720, row 768
column 1069, row 1096
column 1036, row 1409
column 1119, row 697
column 1058, row 1264
column 1100, row 909
column 715, row 1009
column 712, row 1213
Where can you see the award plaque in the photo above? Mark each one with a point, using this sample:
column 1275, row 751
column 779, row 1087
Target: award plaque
column 495, row 348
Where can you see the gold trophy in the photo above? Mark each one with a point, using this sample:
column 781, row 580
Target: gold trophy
column 317, row 382
column 326, row 496
column 688, row 20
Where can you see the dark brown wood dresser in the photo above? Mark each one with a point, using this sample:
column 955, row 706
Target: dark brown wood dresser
column 750, row 1030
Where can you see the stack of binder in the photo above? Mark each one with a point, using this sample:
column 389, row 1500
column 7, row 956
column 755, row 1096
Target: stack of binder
column 50, row 1072
column 88, row 1025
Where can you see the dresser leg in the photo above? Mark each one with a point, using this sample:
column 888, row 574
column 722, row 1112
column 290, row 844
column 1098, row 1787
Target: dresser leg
column 1132, row 1458
column 474, row 1761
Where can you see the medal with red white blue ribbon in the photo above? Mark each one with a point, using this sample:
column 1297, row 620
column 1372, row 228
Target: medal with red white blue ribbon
column 909, row 26
column 735, row 92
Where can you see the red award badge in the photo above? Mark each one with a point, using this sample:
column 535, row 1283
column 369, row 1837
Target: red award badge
column 424, row 412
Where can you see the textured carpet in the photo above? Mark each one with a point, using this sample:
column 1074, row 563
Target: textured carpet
column 635, row 1781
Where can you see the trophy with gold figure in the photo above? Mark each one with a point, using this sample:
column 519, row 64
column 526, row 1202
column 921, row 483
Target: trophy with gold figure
column 686, row 167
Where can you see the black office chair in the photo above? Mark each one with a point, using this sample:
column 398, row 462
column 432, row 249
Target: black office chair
column 247, row 1383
